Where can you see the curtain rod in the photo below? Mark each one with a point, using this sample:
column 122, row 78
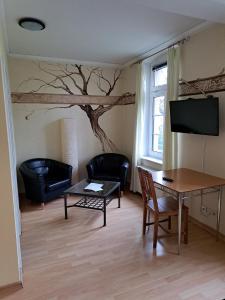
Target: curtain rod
column 168, row 47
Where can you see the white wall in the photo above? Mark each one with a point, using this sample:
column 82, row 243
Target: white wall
column 40, row 136
column 10, row 259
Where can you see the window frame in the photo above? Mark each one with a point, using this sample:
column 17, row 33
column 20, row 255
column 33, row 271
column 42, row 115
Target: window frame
column 154, row 91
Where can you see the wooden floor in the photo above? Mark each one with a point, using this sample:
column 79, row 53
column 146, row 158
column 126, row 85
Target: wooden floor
column 79, row 259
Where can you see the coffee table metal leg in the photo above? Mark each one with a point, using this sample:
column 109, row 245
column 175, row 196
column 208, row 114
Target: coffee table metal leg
column 119, row 194
column 65, row 206
column 104, row 212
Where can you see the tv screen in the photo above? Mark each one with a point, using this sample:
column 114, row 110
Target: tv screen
column 198, row 116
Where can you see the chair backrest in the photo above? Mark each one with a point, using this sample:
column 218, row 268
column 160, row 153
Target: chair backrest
column 147, row 187
column 37, row 165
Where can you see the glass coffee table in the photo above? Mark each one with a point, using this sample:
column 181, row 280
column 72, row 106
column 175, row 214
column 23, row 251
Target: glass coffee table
column 90, row 199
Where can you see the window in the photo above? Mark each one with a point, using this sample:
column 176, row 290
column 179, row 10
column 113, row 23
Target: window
column 158, row 87
column 157, row 124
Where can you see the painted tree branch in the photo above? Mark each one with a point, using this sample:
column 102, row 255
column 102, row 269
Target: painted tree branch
column 74, row 73
column 111, row 85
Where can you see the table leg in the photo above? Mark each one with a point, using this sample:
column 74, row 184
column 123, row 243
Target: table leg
column 218, row 213
column 180, row 199
column 149, row 219
column 104, row 212
column 119, row 194
column 65, row 206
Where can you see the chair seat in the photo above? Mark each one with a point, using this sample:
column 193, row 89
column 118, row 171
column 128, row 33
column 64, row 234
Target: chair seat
column 166, row 205
column 106, row 177
column 53, row 185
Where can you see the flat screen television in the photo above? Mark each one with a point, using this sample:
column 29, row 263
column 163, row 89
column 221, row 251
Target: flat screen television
column 197, row 116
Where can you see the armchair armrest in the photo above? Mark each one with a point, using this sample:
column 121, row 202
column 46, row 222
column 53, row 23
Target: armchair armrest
column 123, row 173
column 34, row 184
column 125, row 165
column 123, row 169
column 90, row 169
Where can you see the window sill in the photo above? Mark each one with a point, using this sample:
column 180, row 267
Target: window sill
column 154, row 163
column 152, row 159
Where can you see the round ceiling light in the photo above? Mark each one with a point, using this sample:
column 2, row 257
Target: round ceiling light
column 31, row 24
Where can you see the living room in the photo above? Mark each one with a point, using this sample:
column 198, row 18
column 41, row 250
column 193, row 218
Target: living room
column 72, row 96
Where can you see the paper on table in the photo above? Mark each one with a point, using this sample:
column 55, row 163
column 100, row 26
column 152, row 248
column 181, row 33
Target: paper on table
column 95, row 187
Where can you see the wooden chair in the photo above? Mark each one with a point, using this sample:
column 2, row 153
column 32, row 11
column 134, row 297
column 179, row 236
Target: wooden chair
column 164, row 207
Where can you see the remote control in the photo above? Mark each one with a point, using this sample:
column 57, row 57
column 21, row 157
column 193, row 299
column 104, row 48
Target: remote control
column 167, row 179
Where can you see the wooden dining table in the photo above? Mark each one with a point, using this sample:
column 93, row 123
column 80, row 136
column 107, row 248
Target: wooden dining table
column 187, row 183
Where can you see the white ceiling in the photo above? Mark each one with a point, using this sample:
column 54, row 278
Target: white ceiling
column 106, row 31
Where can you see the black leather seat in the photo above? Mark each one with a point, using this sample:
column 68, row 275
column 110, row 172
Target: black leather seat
column 45, row 179
column 109, row 166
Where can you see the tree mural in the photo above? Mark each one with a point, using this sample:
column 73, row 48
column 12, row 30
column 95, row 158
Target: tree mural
column 67, row 77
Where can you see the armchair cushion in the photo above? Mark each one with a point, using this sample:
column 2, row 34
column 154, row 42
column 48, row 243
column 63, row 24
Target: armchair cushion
column 106, row 177
column 53, row 185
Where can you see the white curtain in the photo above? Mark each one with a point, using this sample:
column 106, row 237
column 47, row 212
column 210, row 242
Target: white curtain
column 170, row 147
column 139, row 129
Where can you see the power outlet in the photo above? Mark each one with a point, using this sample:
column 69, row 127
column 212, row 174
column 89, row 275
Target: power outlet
column 211, row 212
column 206, row 211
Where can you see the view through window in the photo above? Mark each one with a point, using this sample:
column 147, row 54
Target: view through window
column 158, row 96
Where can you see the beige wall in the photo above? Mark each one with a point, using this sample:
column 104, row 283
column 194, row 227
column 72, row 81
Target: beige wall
column 202, row 56
column 40, row 136
column 128, row 83
column 9, row 233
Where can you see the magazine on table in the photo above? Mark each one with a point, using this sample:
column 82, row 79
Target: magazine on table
column 95, row 187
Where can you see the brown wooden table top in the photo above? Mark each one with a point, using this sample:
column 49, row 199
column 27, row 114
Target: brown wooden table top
column 186, row 180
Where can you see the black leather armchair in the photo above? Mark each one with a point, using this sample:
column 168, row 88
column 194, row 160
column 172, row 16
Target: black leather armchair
column 45, row 179
column 109, row 166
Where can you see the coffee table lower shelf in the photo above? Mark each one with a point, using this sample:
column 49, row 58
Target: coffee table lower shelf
column 91, row 203
column 91, row 199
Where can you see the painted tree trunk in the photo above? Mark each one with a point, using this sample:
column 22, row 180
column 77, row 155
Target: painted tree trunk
column 106, row 143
